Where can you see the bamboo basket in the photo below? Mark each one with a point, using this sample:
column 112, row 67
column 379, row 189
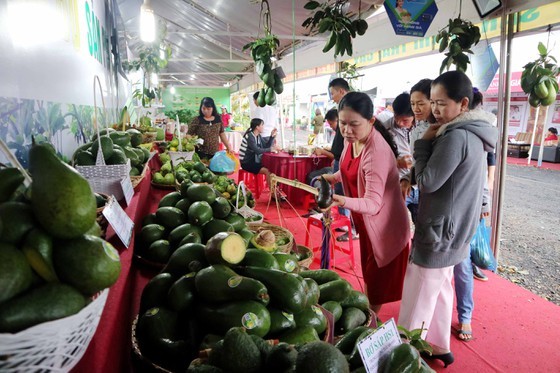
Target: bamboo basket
column 141, row 363
column 136, row 180
column 309, row 256
column 278, row 232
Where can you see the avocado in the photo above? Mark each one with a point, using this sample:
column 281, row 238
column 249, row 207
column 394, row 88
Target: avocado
column 240, row 353
column 282, row 358
column 261, row 98
column 333, row 307
column 106, row 147
column 61, row 198
column 225, row 248
column 280, row 321
column 17, row 219
column 187, row 258
column 88, row 263
column 249, row 314
column 221, row 208
column 15, row 272
column 287, row 262
column 201, row 192
column 299, row 335
column 270, row 98
column 356, row 299
column 10, row 179
column 200, row 213
column 313, row 292
column 237, row 221
column 118, row 157
column 120, row 138
column 159, row 252
column 336, row 290
column 179, row 233
column 215, row 226
column 38, row 249
column 180, row 297
column 150, row 233
column 312, row 316
column 170, row 199
column 155, row 291
column 321, row 276
column 183, row 204
column 170, row 217
column 135, row 137
column 48, row 302
column 321, row 357
column 260, row 258
column 348, row 341
column 219, row 283
column 351, row 318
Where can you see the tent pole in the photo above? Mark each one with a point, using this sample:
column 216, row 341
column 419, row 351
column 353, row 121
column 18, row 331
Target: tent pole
column 504, row 93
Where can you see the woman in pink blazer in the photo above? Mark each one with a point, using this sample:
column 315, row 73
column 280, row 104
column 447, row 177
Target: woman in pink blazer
column 370, row 178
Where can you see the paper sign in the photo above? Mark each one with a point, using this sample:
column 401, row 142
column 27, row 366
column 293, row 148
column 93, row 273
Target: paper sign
column 128, row 189
column 119, row 220
column 377, row 346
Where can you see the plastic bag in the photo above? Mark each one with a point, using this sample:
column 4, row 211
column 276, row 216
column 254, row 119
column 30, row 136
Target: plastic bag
column 481, row 252
column 221, row 162
column 236, row 160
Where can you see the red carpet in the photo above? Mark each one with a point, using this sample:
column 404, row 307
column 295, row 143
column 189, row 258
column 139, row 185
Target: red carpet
column 523, row 162
column 514, row 330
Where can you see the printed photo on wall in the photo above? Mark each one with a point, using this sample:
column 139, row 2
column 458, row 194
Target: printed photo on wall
column 515, row 112
column 556, row 114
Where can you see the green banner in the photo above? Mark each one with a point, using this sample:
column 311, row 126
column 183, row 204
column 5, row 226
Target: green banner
column 190, row 97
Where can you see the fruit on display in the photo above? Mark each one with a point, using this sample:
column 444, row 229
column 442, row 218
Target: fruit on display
column 538, row 79
column 50, row 263
column 264, row 240
column 117, row 147
column 325, row 197
column 61, row 198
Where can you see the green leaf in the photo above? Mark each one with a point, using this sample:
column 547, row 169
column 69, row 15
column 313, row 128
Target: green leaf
column 312, row 5
column 443, row 44
column 457, row 31
column 542, row 49
column 444, row 64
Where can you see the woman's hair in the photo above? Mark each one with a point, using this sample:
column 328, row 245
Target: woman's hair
column 553, row 130
column 332, row 114
column 318, row 111
column 361, row 104
column 424, row 86
column 208, row 102
column 476, row 100
column 456, row 84
column 255, row 122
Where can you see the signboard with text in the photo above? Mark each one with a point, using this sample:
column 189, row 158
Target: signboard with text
column 411, row 17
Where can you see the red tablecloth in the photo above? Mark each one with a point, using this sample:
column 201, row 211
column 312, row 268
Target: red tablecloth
column 110, row 349
column 293, row 168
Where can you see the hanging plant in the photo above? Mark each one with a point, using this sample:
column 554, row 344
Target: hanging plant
column 262, row 51
column 331, row 17
column 349, row 73
column 538, row 79
column 152, row 58
column 459, row 37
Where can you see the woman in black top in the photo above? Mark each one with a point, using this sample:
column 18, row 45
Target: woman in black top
column 208, row 126
column 253, row 147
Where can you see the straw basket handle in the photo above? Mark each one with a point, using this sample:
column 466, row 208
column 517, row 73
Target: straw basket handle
column 244, row 191
column 14, row 161
column 100, row 161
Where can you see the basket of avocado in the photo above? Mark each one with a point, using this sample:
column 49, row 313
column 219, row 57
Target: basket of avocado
column 54, row 267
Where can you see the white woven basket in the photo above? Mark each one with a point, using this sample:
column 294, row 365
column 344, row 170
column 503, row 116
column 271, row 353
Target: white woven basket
column 104, row 178
column 54, row 346
column 245, row 210
column 178, row 157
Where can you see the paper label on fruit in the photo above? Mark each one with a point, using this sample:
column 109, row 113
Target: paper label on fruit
column 234, row 281
column 288, row 316
column 289, row 265
column 249, row 321
column 317, row 310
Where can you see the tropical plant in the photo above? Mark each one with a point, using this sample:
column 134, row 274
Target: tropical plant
column 152, row 58
column 458, row 38
column 185, row 115
column 538, row 79
column 333, row 18
column 262, row 51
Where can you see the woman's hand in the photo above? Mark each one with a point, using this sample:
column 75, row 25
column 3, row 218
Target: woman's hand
column 431, row 132
column 329, row 178
column 274, row 132
column 338, row 200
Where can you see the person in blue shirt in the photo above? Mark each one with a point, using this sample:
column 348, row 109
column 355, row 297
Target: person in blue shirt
column 253, row 146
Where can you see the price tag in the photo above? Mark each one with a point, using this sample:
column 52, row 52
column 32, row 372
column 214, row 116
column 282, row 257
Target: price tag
column 119, row 220
column 377, row 346
column 128, row 190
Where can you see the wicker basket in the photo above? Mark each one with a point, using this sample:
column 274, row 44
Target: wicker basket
column 135, row 180
column 54, row 346
column 252, row 216
column 304, row 250
column 278, row 232
column 141, row 363
column 148, row 137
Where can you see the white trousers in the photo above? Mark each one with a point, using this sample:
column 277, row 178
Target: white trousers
column 427, row 302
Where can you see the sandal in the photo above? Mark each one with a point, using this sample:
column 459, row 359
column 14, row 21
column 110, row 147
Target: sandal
column 464, row 335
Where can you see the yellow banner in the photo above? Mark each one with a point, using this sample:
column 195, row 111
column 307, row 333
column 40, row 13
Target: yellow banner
column 527, row 20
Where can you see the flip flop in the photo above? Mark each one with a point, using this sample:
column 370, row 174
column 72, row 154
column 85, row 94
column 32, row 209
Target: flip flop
column 464, row 335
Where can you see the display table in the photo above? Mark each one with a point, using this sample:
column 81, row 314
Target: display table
column 519, row 150
column 294, row 168
column 110, row 348
column 234, row 138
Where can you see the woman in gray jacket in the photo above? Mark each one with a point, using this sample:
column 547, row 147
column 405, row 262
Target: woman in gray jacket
column 450, row 173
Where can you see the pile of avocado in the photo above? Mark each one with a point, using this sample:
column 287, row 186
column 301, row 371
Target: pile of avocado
column 52, row 259
column 195, row 171
column 198, row 293
column 117, row 147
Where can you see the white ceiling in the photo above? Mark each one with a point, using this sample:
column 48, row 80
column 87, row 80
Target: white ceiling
column 207, row 36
